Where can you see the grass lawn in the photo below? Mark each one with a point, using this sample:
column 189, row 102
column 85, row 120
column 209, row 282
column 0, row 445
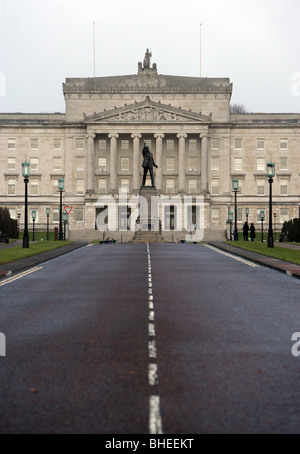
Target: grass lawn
column 17, row 253
column 288, row 255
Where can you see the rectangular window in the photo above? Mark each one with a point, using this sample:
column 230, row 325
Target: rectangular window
column 260, row 144
column 11, row 187
column 215, row 144
column 193, row 164
column 79, row 213
column 261, row 185
column 240, row 215
column 57, row 144
column 215, row 215
column 34, row 186
column 11, row 144
column 261, row 164
column 192, row 186
column 102, row 186
column 237, row 144
column 34, row 144
column 102, row 164
column 34, row 164
column 102, row 144
column 283, row 164
column 125, row 184
column 11, row 164
column 125, row 164
column 170, row 144
column 55, row 186
column 79, row 186
column 56, row 163
column 80, row 144
column 284, row 215
column 170, row 186
column 125, row 144
column 55, row 217
column 215, row 186
column 283, row 144
column 170, row 164
column 283, row 184
column 215, row 164
column 192, row 144
column 80, row 163
column 238, row 164
column 240, row 191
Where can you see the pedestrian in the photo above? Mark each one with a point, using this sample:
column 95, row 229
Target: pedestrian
column 246, row 231
column 252, row 232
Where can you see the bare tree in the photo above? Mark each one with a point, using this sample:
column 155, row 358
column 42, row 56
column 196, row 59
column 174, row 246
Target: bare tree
column 238, row 109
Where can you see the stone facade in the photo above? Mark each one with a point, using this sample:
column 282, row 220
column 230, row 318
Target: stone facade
column 198, row 146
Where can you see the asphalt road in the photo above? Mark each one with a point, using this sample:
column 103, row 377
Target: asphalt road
column 173, row 339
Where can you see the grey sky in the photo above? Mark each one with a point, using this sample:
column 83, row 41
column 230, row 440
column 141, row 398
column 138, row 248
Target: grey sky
column 253, row 42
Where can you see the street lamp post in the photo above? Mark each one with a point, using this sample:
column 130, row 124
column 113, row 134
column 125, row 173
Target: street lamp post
column 262, row 218
column 65, row 220
column 235, row 188
column 270, row 175
column 230, row 219
column 48, row 214
column 275, row 216
column 247, row 214
column 33, row 215
column 61, row 184
column 26, row 176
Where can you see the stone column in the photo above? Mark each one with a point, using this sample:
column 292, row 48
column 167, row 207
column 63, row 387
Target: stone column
column 159, row 161
column 204, row 163
column 136, row 184
column 181, row 163
column 113, row 163
column 91, row 164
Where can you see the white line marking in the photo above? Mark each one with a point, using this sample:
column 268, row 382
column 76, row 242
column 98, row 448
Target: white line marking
column 19, row 276
column 151, row 329
column 152, row 375
column 239, row 259
column 155, row 424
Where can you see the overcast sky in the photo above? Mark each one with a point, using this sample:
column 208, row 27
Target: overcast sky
column 253, row 42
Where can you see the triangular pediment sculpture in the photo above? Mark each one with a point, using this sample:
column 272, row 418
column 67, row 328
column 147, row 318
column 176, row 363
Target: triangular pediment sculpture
column 147, row 111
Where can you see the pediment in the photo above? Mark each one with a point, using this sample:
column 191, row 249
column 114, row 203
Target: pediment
column 147, row 111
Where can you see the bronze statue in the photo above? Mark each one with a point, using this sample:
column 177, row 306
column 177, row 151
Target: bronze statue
column 148, row 164
column 148, row 55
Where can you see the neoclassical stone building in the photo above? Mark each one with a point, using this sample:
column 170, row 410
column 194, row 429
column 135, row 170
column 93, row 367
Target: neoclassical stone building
column 198, row 145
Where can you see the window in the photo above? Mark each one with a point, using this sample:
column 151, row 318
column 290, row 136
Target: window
column 192, row 144
column 283, row 144
column 102, row 164
column 11, row 187
column 283, row 164
column 284, row 215
column 170, row 164
column 214, row 144
column 34, row 144
column 11, row 144
column 34, row 186
column 261, row 186
column 11, row 164
column 125, row 144
column 215, row 164
column 79, row 215
column 34, row 164
column 55, row 216
column 80, row 144
column 283, row 185
column 170, row 144
column 125, row 184
column 192, row 186
column 240, row 191
column 258, row 218
column 215, row 215
column 170, row 186
column 238, row 164
column 240, row 215
column 56, row 163
column 102, row 186
column 261, row 164
column 55, row 186
column 193, row 164
column 260, row 144
column 237, row 144
column 215, row 186
column 80, row 163
column 102, row 144
column 57, row 144
column 80, row 186
column 125, row 164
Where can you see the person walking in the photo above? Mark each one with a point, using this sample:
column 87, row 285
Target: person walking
column 252, row 232
column 246, row 231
